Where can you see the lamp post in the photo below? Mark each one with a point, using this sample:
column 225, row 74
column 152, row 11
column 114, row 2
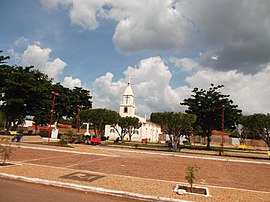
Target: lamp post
column 222, row 124
column 50, row 130
column 78, row 118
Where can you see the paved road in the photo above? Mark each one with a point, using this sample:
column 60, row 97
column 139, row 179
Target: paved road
column 13, row 191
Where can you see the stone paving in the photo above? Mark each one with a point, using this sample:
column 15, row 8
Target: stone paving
column 127, row 172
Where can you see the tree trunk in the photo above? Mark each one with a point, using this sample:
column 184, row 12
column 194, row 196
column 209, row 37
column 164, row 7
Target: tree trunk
column 175, row 143
column 123, row 134
column 191, row 187
column 122, row 137
column 208, row 140
column 130, row 134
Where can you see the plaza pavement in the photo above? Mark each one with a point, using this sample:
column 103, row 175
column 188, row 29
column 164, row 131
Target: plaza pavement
column 121, row 185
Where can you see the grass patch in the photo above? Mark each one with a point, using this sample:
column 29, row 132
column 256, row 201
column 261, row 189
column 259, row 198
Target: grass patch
column 192, row 149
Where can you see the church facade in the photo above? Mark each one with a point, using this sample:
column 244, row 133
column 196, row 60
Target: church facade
column 148, row 130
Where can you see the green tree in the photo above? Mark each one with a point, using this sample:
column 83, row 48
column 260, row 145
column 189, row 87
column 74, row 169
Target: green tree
column 2, row 120
column 70, row 102
column 81, row 100
column 38, row 97
column 128, row 124
column 27, row 91
column 99, row 118
column 114, row 118
column 174, row 124
column 208, row 106
column 258, row 125
column 24, row 92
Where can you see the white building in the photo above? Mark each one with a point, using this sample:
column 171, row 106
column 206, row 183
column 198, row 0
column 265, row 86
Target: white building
column 148, row 130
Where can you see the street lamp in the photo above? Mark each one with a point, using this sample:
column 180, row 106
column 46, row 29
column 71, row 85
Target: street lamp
column 50, row 130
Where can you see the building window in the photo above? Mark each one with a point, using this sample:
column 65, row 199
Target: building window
column 112, row 130
column 125, row 110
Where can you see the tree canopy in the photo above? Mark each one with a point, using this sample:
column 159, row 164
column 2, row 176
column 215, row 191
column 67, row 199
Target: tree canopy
column 258, row 125
column 26, row 91
column 207, row 105
column 174, row 124
column 128, row 124
column 99, row 118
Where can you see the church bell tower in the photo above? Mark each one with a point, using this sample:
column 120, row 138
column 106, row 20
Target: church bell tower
column 127, row 105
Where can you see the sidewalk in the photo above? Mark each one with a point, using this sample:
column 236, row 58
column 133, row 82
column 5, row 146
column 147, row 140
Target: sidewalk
column 143, row 188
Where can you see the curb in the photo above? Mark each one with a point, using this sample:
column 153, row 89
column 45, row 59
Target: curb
column 224, row 159
column 89, row 188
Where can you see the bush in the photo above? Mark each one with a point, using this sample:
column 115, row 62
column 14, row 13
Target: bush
column 191, row 175
column 70, row 136
column 78, row 139
column 44, row 133
column 63, row 141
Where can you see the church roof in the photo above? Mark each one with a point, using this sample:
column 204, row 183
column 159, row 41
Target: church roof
column 128, row 90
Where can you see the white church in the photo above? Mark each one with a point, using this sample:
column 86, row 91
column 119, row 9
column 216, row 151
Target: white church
column 148, row 130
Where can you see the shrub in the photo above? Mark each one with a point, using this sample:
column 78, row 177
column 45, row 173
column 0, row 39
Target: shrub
column 63, row 141
column 78, row 138
column 70, row 136
column 44, row 133
column 191, row 175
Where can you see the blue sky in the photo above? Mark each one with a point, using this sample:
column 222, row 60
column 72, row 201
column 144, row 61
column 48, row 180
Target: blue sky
column 167, row 47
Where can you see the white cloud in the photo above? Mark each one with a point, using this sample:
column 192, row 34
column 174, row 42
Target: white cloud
column 158, row 26
column 150, row 83
column 37, row 56
column 185, row 64
column 141, row 24
column 250, row 92
column 152, row 90
column 55, row 3
column 70, row 82
column 83, row 13
column 107, row 93
column 229, row 38
column 237, row 31
column 21, row 41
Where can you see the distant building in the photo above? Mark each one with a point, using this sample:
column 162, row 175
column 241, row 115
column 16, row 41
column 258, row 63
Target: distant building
column 148, row 130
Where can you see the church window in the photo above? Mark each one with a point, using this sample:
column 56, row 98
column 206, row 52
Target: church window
column 112, row 130
column 125, row 110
